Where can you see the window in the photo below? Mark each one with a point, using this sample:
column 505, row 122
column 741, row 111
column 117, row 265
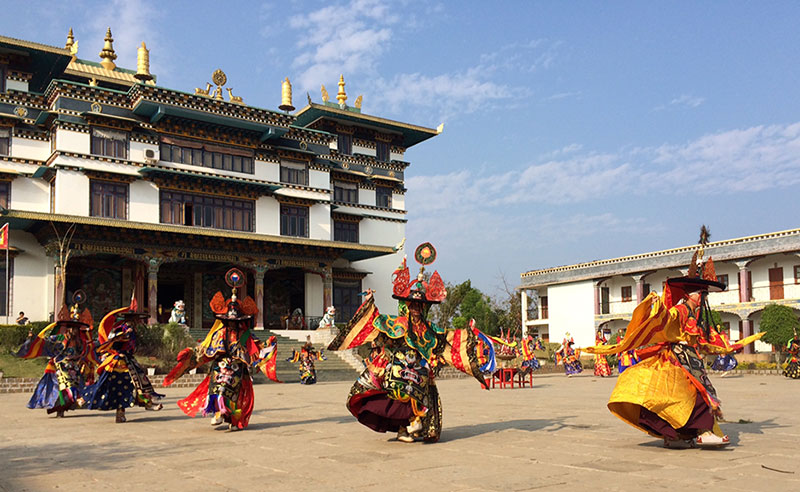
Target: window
column 294, row 220
column 3, row 75
column 545, row 309
column 797, row 274
column 605, row 303
column 5, row 192
column 345, row 192
column 206, row 211
column 5, row 141
column 626, row 293
column 109, row 143
column 723, row 279
column 382, row 151
column 646, row 290
column 294, row 173
column 345, row 144
column 346, row 298
column 345, row 231
column 108, row 199
column 4, row 287
column 198, row 154
column 383, row 196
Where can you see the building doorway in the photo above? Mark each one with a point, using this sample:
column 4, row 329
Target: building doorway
column 776, row 283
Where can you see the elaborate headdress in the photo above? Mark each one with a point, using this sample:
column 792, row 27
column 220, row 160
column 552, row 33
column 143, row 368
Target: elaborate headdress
column 405, row 289
column 72, row 316
column 701, row 277
column 232, row 309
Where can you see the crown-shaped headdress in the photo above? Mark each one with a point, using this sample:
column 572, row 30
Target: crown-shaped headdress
column 72, row 315
column 702, row 276
column 405, row 289
column 233, row 309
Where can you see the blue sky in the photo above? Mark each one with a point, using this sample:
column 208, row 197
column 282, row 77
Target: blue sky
column 574, row 131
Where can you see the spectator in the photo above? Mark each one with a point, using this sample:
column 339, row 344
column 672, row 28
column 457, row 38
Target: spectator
column 22, row 319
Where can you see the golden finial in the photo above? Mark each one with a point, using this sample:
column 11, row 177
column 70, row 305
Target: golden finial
column 286, row 96
column 358, row 101
column 143, row 64
column 440, row 128
column 324, row 94
column 93, row 82
column 70, row 40
column 107, row 55
column 341, row 96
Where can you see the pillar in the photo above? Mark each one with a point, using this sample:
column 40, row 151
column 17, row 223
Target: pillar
column 196, row 319
column 327, row 287
column 747, row 330
column 58, row 299
column 260, row 270
column 639, row 279
column 597, row 299
column 744, row 285
column 152, row 288
column 523, row 294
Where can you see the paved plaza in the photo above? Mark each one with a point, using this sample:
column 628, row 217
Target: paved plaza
column 558, row 434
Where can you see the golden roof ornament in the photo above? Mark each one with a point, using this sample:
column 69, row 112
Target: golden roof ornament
column 107, row 54
column 219, row 78
column 341, row 96
column 324, row 94
column 357, row 104
column 286, row 96
column 143, row 64
column 70, row 40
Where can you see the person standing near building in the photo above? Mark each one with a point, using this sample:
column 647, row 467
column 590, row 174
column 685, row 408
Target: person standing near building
column 601, row 367
column 233, row 351
column 22, row 319
column 396, row 392
column 567, row 355
column 793, row 365
column 668, row 393
column 123, row 382
column 305, row 358
column 68, row 344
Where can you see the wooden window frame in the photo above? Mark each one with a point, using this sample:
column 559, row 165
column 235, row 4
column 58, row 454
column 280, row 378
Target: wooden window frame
column 382, row 151
column 291, row 172
column 345, row 192
column 206, row 211
column 797, row 274
column 109, row 147
column 300, row 226
column 344, row 143
column 343, row 291
column 5, row 142
column 345, row 231
column 626, row 293
column 201, row 157
column 724, row 279
column 383, row 192
column 101, row 190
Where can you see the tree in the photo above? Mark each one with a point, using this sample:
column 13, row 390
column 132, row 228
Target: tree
column 444, row 312
column 779, row 324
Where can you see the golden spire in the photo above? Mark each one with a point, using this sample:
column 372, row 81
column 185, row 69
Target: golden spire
column 324, row 93
column 341, row 96
column 143, row 64
column 286, row 96
column 70, row 40
column 107, row 55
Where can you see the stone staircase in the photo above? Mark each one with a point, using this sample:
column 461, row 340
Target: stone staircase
column 340, row 366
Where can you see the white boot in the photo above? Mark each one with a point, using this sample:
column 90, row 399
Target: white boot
column 217, row 419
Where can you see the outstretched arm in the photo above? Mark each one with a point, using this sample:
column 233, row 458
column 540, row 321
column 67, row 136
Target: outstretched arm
column 360, row 329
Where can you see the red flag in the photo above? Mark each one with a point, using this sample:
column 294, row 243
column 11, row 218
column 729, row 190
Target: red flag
column 4, row 237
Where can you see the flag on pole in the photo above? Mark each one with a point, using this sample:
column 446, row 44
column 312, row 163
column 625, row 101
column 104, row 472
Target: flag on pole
column 4, row 236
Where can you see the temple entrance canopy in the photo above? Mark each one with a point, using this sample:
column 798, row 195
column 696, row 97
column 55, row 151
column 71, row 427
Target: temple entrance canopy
column 163, row 263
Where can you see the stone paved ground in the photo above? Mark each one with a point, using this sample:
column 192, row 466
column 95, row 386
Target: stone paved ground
column 558, row 434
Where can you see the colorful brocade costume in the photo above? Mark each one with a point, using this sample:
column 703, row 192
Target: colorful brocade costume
column 668, row 394
column 305, row 358
column 122, row 381
column 792, row 369
column 529, row 361
column 569, row 357
column 601, row 367
column 396, row 392
column 233, row 352
column 69, row 346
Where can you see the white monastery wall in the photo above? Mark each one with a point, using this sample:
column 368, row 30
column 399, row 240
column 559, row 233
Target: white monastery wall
column 314, row 296
column 366, row 197
column 70, row 141
column 143, row 202
column 319, row 222
column 16, row 85
column 27, row 148
column 571, row 309
column 398, row 201
column 358, row 149
column 30, row 194
column 30, row 282
column 268, row 211
column 137, row 149
column 72, row 193
column 319, row 179
column 267, row 171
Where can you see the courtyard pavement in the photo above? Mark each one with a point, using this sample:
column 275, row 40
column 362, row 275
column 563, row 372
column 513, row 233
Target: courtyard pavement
column 558, row 434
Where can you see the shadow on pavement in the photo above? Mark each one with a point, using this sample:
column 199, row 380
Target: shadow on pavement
column 468, row 431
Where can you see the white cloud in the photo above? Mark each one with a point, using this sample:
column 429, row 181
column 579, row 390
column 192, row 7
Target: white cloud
column 563, row 95
column 683, row 101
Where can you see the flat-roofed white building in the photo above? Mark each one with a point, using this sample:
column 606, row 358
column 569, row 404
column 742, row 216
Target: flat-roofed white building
column 584, row 297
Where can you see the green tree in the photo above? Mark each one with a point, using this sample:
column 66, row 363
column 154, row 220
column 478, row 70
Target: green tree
column 779, row 324
column 443, row 313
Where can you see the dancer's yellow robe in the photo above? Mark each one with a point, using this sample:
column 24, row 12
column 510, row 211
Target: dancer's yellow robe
column 658, row 382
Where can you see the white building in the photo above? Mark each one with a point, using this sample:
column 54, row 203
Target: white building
column 582, row 298
column 167, row 190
